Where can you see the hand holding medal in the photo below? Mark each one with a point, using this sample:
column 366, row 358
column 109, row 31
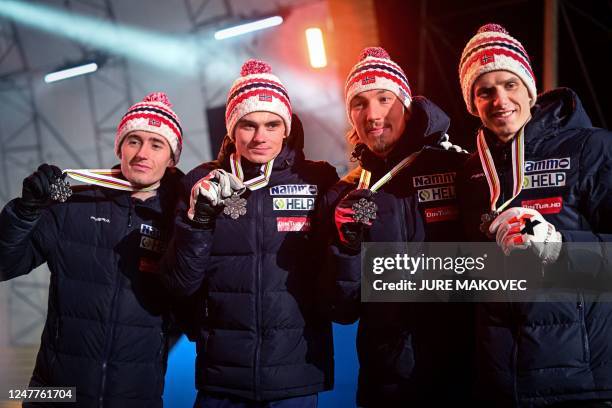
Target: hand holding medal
column 353, row 215
column 218, row 188
column 488, row 166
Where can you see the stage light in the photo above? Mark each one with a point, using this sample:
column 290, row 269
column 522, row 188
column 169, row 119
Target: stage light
column 316, row 48
column 169, row 52
column 248, row 27
column 71, row 72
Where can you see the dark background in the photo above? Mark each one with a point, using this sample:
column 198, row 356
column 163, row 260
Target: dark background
column 448, row 26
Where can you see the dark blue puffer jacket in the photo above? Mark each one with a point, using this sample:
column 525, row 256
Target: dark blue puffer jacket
column 262, row 334
column 535, row 354
column 105, row 327
column 409, row 353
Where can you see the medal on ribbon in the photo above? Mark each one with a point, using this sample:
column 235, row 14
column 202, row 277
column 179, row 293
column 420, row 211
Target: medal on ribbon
column 235, row 206
column 488, row 166
column 364, row 209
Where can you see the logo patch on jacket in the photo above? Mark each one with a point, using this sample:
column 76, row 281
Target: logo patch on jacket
column 294, row 189
column 436, row 194
column 550, row 205
column 562, row 163
column 544, row 180
column 148, row 265
column 436, row 214
column 293, row 203
column 150, row 239
column 293, row 223
column 477, row 176
column 433, row 179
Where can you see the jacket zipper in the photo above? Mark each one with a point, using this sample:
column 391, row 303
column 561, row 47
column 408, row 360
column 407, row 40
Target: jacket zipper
column 111, row 330
column 258, row 295
column 585, row 336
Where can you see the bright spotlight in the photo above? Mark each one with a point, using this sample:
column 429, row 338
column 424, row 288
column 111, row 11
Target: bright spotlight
column 71, row 72
column 316, row 48
column 248, row 27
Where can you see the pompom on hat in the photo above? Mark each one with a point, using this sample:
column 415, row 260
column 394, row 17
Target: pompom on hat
column 376, row 70
column 153, row 114
column 257, row 90
column 493, row 49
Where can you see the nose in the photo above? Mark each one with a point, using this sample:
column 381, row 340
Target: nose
column 143, row 151
column 259, row 136
column 501, row 98
column 373, row 113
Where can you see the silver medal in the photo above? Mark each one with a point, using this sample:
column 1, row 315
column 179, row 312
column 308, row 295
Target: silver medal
column 364, row 211
column 60, row 190
column 485, row 221
column 234, row 206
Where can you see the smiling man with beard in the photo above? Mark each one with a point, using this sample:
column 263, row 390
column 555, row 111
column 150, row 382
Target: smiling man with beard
column 404, row 350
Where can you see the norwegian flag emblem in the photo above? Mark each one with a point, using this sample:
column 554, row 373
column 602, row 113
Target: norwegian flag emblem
column 154, row 122
column 368, row 80
column 487, row 58
column 265, row 98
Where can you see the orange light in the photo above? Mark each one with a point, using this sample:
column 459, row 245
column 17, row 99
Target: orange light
column 316, row 48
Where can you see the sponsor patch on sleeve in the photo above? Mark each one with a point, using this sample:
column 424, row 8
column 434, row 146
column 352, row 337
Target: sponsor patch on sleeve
column 293, row 223
column 550, row 205
column 148, row 265
column 437, row 214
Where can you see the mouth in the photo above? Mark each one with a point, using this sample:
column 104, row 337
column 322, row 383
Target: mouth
column 260, row 150
column 503, row 114
column 375, row 132
column 140, row 167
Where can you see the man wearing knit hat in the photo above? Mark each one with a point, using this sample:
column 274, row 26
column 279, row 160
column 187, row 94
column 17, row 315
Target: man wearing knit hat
column 402, row 191
column 245, row 245
column 542, row 176
column 105, row 333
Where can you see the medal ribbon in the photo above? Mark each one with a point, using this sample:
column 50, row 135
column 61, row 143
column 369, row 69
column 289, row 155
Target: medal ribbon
column 105, row 178
column 488, row 166
column 257, row 182
column 364, row 179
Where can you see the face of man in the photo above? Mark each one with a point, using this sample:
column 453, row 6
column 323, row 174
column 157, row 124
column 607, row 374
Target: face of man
column 145, row 157
column 502, row 101
column 259, row 136
column 379, row 119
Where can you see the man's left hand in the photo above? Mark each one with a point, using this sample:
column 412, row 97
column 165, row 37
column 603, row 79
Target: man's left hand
column 525, row 228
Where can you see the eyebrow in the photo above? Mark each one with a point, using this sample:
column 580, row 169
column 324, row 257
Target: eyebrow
column 252, row 123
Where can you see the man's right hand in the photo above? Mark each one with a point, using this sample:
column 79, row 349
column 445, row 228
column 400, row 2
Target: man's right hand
column 351, row 232
column 208, row 194
column 36, row 190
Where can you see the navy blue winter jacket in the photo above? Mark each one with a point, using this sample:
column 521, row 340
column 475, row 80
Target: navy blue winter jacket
column 408, row 352
column 261, row 333
column 105, row 327
column 535, row 354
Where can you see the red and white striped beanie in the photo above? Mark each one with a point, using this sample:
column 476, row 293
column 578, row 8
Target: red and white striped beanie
column 256, row 90
column 493, row 49
column 376, row 70
column 154, row 114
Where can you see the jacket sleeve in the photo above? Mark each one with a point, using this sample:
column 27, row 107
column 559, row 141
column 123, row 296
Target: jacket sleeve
column 185, row 261
column 595, row 178
column 24, row 245
column 343, row 268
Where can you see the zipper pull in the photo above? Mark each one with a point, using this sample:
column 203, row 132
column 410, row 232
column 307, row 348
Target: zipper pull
column 130, row 214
